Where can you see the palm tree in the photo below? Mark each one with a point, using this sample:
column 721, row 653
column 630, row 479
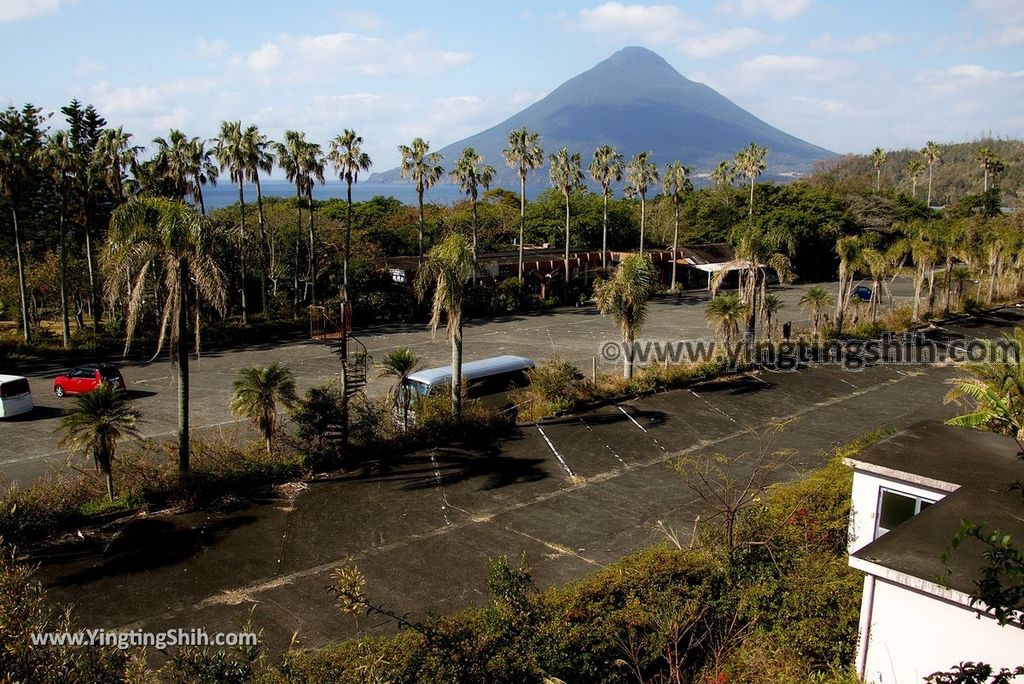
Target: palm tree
column 878, row 156
column 20, row 139
column 990, row 163
column 566, row 175
column 347, row 156
column 959, row 276
column 815, row 300
column 471, row 174
column 849, row 250
column 256, row 394
column 113, row 157
column 185, row 165
column 755, row 252
column 771, row 304
column 59, row 160
column 915, row 169
column 524, row 154
column 725, row 312
column 996, row 388
column 605, row 169
column 932, row 155
column 152, row 232
column 675, row 184
column 879, row 265
column 424, row 168
column 232, row 153
column 641, row 173
column 96, row 422
column 750, row 163
column 400, row 364
column 258, row 157
column 625, row 297
column 448, row 267
column 290, row 157
column 312, row 161
column 722, row 174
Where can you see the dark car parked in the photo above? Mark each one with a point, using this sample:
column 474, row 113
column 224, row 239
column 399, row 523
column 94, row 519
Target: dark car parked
column 85, row 379
column 862, row 292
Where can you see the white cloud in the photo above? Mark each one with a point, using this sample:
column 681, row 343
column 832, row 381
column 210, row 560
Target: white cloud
column 776, row 9
column 294, row 58
column 1005, row 19
column 792, row 67
column 721, row 42
column 654, row 24
column 13, row 10
column 869, row 42
column 210, row 49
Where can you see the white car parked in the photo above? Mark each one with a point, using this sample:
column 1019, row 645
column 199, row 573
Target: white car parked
column 15, row 396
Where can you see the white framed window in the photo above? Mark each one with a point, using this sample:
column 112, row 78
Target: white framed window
column 895, row 507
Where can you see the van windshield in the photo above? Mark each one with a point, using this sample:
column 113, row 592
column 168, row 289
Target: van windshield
column 13, row 388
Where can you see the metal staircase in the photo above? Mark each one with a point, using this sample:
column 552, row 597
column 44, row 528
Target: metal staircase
column 333, row 327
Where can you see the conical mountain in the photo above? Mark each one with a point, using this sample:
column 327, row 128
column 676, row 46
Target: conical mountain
column 636, row 101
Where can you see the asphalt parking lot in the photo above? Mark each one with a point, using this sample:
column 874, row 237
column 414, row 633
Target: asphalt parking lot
column 573, row 494
column 30, row 442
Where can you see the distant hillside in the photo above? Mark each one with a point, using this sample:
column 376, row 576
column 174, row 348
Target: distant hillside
column 957, row 174
column 636, row 101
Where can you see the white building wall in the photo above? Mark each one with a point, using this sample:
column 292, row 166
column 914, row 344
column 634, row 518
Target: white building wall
column 864, row 502
column 912, row 635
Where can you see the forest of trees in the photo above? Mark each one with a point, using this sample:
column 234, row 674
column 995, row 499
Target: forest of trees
column 63, row 175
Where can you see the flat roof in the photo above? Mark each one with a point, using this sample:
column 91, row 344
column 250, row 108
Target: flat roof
column 8, row 378
column 976, row 468
column 473, row 369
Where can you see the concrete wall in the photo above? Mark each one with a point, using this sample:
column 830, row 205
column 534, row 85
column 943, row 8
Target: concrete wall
column 864, row 501
column 912, row 634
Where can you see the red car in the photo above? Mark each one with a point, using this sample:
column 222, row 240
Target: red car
column 85, row 379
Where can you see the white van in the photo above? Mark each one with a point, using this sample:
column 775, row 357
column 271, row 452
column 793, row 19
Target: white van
column 15, row 396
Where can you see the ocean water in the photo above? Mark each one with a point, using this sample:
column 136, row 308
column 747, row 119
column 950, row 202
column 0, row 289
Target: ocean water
column 226, row 194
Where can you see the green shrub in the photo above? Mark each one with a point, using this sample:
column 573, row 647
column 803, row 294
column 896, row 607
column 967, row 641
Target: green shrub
column 555, row 385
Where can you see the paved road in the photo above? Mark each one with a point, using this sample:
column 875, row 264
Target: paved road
column 574, row 494
column 30, row 443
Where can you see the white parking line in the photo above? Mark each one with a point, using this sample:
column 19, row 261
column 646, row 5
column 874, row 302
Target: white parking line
column 555, row 452
column 444, row 497
column 713, row 406
column 606, row 445
column 626, row 413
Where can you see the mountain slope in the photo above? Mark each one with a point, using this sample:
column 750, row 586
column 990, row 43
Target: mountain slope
column 636, row 101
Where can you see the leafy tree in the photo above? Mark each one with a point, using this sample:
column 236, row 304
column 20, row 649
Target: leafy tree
column 725, row 312
column 915, row 169
column 878, row 156
column 96, row 422
column 448, row 267
column 524, row 154
column 754, row 253
column 605, row 169
column 771, row 304
column 990, row 164
column 21, row 137
column 347, row 156
column 471, row 174
column 256, row 394
column 146, row 233
column 750, row 163
column 675, row 184
column 849, row 250
column 399, row 364
column 932, row 155
column 815, row 300
column 566, row 176
column 625, row 297
column 641, row 173
column 424, row 168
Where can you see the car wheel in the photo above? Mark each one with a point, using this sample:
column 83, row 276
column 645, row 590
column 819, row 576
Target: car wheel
column 59, row 391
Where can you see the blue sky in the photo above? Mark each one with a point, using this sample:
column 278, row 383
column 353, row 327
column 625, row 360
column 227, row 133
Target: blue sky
column 845, row 75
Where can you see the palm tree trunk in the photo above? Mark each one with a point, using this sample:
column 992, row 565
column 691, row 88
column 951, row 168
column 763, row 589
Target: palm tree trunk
column 264, row 248
column 26, row 329
column 110, row 483
column 62, row 270
column 475, row 230
column 348, row 244
column 199, row 196
column 419, row 195
column 643, row 217
column 946, row 282
column 182, row 354
column 567, row 240
column 522, row 218
column 94, row 298
column 876, row 291
column 750, row 208
column 312, row 248
column 913, row 184
column 627, row 358
column 604, row 233
column 298, row 249
column 675, row 242
column 929, row 184
column 992, row 278
column 931, row 289
column 918, row 286
column 457, row 370
column 241, row 247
